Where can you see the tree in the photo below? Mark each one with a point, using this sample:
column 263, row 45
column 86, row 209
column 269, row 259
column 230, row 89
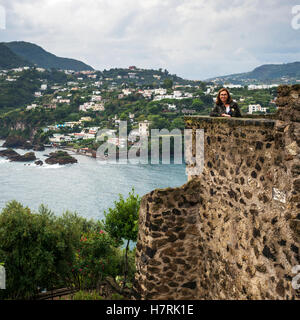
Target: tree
column 168, row 84
column 197, row 104
column 121, row 222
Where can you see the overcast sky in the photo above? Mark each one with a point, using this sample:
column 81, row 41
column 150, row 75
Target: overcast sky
column 196, row 39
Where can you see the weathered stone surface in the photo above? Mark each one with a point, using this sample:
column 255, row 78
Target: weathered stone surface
column 233, row 231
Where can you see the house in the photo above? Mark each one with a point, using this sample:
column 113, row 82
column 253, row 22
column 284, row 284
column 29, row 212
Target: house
column 160, row 91
column 172, row 107
column 67, row 101
column 72, row 124
column 127, row 92
column 96, row 98
column 256, row 108
column 98, row 107
column 50, row 106
column 144, row 128
column 132, row 75
column 93, row 130
column 188, row 111
column 31, row 107
column 177, row 94
column 57, row 138
column 85, row 119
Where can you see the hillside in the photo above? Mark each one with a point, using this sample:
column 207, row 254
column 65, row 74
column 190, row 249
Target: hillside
column 289, row 72
column 41, row 58
column 9, row 59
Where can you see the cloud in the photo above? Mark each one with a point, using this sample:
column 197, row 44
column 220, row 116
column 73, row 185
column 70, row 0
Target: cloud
column 196, row 39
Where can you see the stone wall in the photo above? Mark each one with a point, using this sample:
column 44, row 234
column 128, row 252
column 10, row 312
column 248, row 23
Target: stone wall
column 232, row 232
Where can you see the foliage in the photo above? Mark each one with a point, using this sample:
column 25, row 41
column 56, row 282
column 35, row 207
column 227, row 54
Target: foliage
column 95, row 259
column 34, row 248
column 87, row 295
column 41, row 250
column 121, row 222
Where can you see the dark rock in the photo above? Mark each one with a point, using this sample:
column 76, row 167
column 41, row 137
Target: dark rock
column 254, row 174
column 17, row 142
column 27, row 157
column 282, row 242
column 190, row 285
column 39, row 148
column 61, row 158
column 39, row 162
column 297, row 185
column 274, row 220
column 256, row 233
column 268, row 254
column 261, row 268
column 173, row 284
column 248, row 194
column 280, row 288
column 294, row 248
column 296, row 170
column 9, row 153
column 150, row 252
column 259, row 145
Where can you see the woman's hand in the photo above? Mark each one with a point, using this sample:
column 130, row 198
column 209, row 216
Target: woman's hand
column 225, row 115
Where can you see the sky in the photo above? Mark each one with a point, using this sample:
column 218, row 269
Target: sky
column 195, row 39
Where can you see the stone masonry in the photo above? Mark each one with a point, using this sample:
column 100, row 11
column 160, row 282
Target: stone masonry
column 233, row 231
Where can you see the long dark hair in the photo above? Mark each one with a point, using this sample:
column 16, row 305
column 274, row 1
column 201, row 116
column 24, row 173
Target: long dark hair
column 219, row 102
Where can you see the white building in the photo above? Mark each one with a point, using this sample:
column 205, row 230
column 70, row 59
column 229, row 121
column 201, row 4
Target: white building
column 96, row 98
column 31, row 107
column 177, row 94
column 261, row 86
column 144, row 128
column 67, row 101
column 172, row 107
column 256, row 108
column 232, row 86
column 127, row 92
column 160, row 91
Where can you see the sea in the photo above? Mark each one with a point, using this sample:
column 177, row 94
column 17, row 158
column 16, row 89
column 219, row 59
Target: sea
column 89, row 187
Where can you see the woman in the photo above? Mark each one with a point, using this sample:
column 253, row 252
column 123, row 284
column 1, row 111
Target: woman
column 225, row 106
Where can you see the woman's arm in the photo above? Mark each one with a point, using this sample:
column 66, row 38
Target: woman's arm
column 237, row 111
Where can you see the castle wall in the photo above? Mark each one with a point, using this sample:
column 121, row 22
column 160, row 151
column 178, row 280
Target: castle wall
column 233, row 231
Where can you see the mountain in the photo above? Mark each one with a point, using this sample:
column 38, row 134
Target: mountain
column 288, row 72
column 9, row 59
column 43, row 59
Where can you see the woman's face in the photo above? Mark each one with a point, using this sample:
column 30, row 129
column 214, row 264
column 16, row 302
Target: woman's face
column 224, row 96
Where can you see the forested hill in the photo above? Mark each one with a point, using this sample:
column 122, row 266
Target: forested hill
column 9, row 60
column 288, row 72
column 36, row 55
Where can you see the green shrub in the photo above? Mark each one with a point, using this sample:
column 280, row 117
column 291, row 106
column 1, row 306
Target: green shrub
column 34, row 250
column 85, row 295
column 95, row 259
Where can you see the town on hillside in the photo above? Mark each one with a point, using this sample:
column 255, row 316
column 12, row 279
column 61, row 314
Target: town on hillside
column 68, row 108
